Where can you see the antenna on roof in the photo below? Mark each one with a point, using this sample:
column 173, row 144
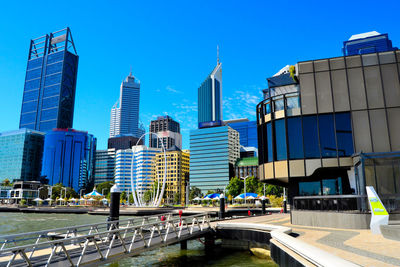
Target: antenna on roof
column 217, row 54
column 130, row 73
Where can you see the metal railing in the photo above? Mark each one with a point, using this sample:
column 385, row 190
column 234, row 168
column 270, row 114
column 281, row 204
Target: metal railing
column 90, row 243
column 332, row 203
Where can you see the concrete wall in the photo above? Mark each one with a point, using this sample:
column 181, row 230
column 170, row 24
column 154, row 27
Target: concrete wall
column 331, row 219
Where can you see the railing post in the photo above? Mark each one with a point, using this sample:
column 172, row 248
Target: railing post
column 114, row 204
column 263, row 205
column 221, row 207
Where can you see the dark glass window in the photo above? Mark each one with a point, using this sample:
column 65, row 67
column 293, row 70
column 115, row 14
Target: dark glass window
column 31, row 95
column 310, row 188
column 292, row 101
column 310, row 135
column 327, row 136
column 278, row 103
column 344, row 134
column 260, row 135
column 295, row 138
column 29, row 106
column 28, row 118
column 48, row 125
column 33, row 84
column 35, row 63
column 51, row 90
column 267, row 108
column 280, row 137
column 33, row 74
column 269, row 143
column 55, row 57
column 54, row 68
column 49, row 114
column 52, row 79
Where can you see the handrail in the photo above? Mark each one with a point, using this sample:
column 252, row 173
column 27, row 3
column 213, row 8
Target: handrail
column 329, row 196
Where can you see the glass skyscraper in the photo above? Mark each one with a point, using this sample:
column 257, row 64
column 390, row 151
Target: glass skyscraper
column 125, row 112
column 210, row 97
column 50, row 82
column 68, row 158
column 21, row 155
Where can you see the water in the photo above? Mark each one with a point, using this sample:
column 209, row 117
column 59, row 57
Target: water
column 195, row 255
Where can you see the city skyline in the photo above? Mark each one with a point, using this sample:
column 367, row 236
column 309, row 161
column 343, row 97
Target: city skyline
column 169, row 88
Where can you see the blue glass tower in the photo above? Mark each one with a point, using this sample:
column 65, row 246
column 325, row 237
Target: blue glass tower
column 210, row 97
column 68, row 158
column 247, row 131
column 50, row 82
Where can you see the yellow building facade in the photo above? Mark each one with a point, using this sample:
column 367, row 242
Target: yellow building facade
column 177, row 175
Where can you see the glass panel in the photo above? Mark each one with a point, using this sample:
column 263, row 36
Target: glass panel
column 295, row 138
column 50, row 102
column 362, row 137
column 344, row 134
column 280, row 136
column 374, row 87
column 28, row 118
column 292, row 101
column 33, row 84
column 31, row 95
column 55, row 57
column 330, row 187
column 339, row 89
column 269, row 143
column 310, row 135
column 379, row 130
column 53, row 79
column 278, row 103
column 33, row 74
column 54, row 68
column 327, row 136
column 48, row 125
column 29, row 106
column 51, row 90
column 49, row 114
column 268, row 108
column 324, row 94
column 307, row 92
column 357, row 91
column 310, row 188
column 35, row 63
column 391, row 85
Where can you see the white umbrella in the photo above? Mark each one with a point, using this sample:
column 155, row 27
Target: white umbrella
column 250, row 197
column 207, row 198
column 82, row 199
column 49, row 199
column 37, row 199
column 72, row 199
column 197, row 198
column 238, row 197
column 91, row 199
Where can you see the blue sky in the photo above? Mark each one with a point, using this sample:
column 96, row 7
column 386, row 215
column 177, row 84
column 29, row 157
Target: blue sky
column 171, row 47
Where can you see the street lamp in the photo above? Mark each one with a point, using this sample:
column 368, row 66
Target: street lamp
column 65, row 194
column 245, row 194
column 80, row 192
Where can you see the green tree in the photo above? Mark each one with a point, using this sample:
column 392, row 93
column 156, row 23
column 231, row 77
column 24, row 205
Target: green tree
column 6, row 182
column 104, row 187
column 235, row 186
column 177, row 199
column 252, row 185
column 56, row 192
column 210, row 192
column 273, row 190
column 147, row 196
column 123, row 196
column 194, row 192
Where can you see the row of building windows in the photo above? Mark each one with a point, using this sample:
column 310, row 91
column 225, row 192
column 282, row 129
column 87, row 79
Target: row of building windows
column 322, row 136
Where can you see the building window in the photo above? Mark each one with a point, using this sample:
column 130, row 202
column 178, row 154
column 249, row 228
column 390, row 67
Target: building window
column 327, row 136
column 344, row 134
column 310, row 188
column 292, row 101
column 280, row 136
column 278, row 103
column 310, row 135
column 295, row 138
column 269, row 143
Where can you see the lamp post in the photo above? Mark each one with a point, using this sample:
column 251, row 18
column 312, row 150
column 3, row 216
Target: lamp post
column 38, row 191
column 102, row 191
column 65, row 194
column 80, row 192
column 245, row 194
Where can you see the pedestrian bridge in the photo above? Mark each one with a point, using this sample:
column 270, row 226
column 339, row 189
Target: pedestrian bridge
column 99, row 243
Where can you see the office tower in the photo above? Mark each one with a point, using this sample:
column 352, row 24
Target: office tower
column 369, row 42
column 21, row 155
column 125, row 112
column 124, row 141
column 50, row 82
column 177, row 175
column 248, row 136
column 169, row 132
column 68, row 158
column 210, row 98
column 213, row 153
column 142, row 171
column 105, row 166
column 337, row 133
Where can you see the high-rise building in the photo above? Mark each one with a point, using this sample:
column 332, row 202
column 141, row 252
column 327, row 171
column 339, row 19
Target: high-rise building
column 68, row 158
column 105, row 166
column 50, row 82
column 213, row 153
column 247, row 131
column 168, row 131
column 125, row 112
column 210, row 97
column 335, row 132
column 177, row 174
column 21, row 155
column 142, row 171
column 124, row 141
column 369, row 42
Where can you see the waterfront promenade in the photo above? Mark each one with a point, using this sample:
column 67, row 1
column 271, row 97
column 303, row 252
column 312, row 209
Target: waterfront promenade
column 358, row 246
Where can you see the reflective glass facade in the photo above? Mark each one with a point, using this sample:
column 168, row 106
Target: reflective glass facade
column 247, row 131
column 104, row 166
column 21, row 155
column 50, row 83
column 68, row 158
column 213, row 153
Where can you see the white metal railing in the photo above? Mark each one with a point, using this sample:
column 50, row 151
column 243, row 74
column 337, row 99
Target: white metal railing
column 77, row 245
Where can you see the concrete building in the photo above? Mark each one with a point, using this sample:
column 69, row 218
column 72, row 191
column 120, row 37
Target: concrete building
column 21, row 155
column 125, row 112
column 124, row 141
column 50, row 82
column 68, row 158
column 168, row 131
column 105, row 166
column 213, row 153
column 246, row 167
column 177, row 176
column 333, row 130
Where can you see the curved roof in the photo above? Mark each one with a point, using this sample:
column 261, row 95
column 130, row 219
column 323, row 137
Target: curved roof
column 243, row 162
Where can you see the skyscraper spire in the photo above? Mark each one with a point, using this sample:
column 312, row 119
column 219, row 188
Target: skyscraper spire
column 217, row 54
column 130, row 73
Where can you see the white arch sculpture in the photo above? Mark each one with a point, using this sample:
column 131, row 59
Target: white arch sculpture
column 156, row 198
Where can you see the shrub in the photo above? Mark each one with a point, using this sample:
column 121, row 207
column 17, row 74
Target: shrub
column 275, row 201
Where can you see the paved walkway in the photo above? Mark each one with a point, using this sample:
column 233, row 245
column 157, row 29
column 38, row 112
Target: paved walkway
column 358, row 246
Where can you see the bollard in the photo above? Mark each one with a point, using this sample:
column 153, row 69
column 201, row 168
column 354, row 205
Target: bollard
column 263, row 205
column 221, row 214
column 114, row 204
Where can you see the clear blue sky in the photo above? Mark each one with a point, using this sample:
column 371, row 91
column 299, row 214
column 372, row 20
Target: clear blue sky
column 171, row 46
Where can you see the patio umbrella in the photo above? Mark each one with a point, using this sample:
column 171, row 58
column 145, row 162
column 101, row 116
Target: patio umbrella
column 49, row 199
column 197, row 198
column 91, row 199
column 72, row 199
column 37, row 199
column 82, row 199
column 250, row 197
column 207, row 198
column 238, row 197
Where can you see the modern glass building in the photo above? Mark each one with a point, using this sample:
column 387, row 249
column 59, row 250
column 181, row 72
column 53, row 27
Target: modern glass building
column 50, row 82
column 369, row 42
column 21, row 155
column 210, row 97
column 335, row 130
column 142, row 171
column 213, row 153
column 125, row 112
column 104, row 166
column 68, row 158
column 168, row 132
column 247, row 131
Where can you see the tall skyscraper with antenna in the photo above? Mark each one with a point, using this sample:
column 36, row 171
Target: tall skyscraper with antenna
column 125, row 112
column 210, row 96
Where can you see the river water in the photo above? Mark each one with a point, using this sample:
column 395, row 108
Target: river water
column 195, row 255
